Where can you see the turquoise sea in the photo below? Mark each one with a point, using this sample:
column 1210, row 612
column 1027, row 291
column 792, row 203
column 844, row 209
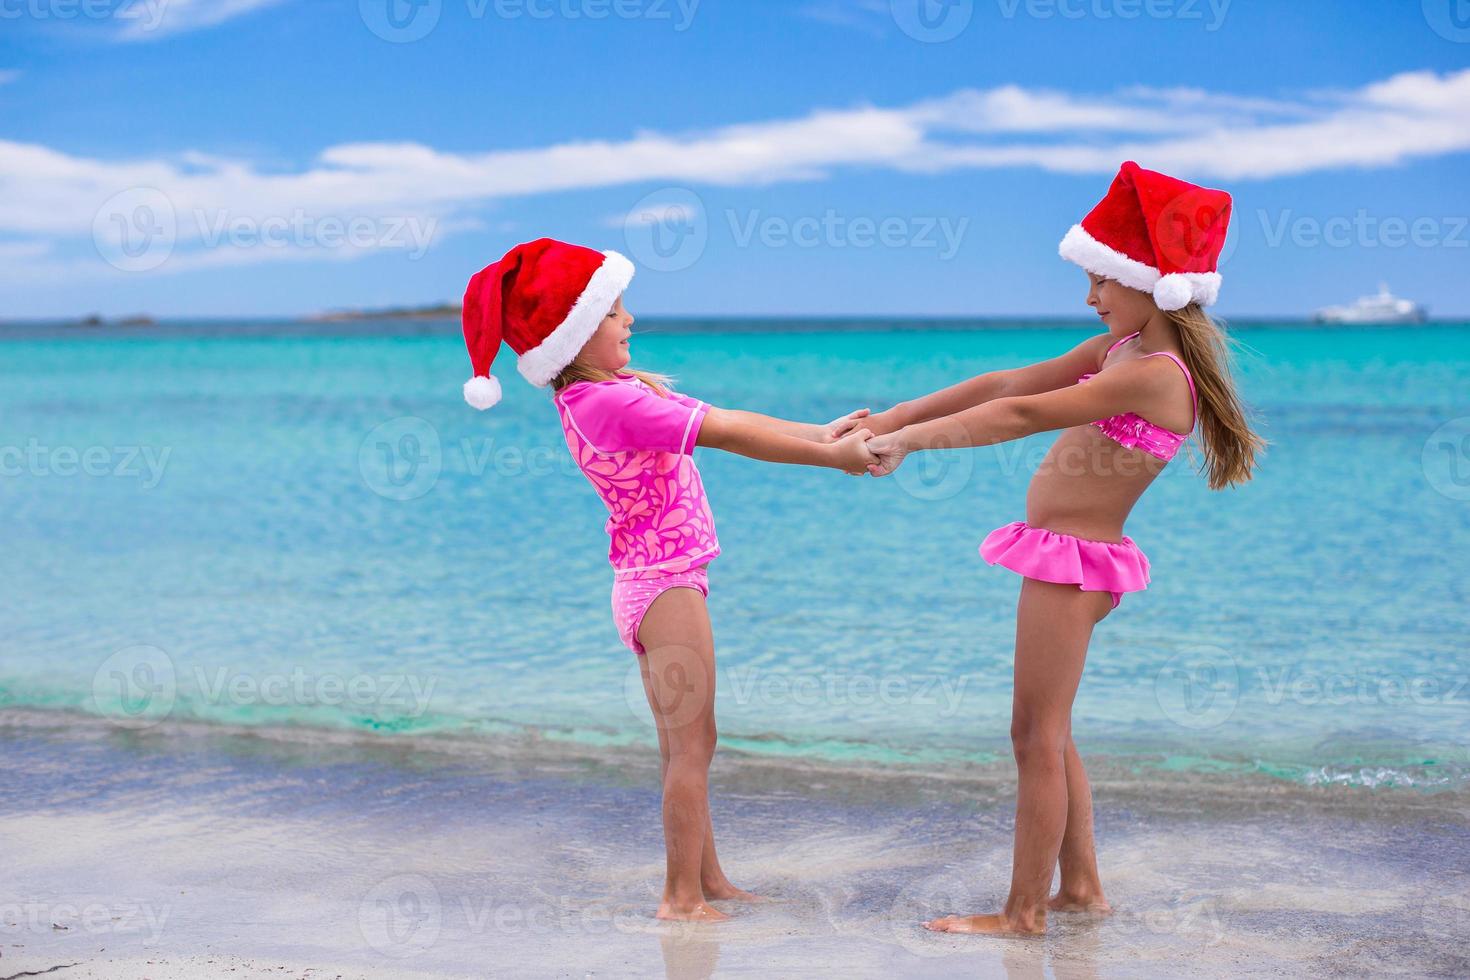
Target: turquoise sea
column 290, row 524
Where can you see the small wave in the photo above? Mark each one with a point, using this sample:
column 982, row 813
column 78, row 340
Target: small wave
column 1382, row 777
column 506, row 738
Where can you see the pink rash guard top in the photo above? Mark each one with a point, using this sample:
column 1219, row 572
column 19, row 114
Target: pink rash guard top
column 635, row 448
column 1136, row 432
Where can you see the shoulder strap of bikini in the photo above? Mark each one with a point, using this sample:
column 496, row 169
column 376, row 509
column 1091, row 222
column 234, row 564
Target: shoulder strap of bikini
column 1194, row 396
column 1125, row 340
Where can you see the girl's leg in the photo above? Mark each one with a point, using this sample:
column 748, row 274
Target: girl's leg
column 1081, row 888
column 1053, row 626
column 679, row 679
column 717, row 887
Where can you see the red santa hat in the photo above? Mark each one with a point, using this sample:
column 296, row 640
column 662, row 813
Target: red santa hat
column 544, row 299
column 1157, row 234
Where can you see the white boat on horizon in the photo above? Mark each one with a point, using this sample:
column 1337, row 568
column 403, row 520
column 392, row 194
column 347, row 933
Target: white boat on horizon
column 1383, row 308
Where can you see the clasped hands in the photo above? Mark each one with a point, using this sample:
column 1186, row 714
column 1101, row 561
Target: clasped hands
column 861, row 451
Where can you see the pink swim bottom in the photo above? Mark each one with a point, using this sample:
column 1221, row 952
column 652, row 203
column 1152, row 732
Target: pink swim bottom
column 632, row 597
column 1093, row 566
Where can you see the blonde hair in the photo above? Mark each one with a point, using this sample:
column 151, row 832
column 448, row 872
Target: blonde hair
column 1230, row 447
column 581, row 371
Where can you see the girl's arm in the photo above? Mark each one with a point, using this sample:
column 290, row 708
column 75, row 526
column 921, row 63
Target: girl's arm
column 1138, row 386
column 733, row 431
column 801, row 430
column 1058, row 372
column 810, row 431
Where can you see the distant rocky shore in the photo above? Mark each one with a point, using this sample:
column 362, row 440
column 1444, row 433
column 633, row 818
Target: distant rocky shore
column 138, row 320
column 440, row 312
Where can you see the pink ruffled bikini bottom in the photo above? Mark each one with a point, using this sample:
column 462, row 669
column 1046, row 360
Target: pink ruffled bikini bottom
column 1092, row 566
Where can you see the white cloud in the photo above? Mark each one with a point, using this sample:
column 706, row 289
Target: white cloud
column 1197, row 99
column 8, row 75
column 19, row 251
column 150, row 20
column 1012, row 109
column 1415, row 115
column 49, row 195
column 866, row 16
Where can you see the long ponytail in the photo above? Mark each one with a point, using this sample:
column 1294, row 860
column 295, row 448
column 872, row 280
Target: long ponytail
column 1230, row 445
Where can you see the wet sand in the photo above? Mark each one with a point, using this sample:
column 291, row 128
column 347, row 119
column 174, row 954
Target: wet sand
column 186, row 851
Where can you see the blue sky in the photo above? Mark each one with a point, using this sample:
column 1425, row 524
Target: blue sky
column 272, row 157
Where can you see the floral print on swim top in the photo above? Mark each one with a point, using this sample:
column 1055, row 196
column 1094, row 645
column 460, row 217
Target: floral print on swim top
column 635, row 447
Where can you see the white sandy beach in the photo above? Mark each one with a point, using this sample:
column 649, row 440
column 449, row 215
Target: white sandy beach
column 189, row 853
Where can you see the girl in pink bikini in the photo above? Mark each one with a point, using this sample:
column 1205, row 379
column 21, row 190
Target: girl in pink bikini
column 1125, row 402
column 560, row 308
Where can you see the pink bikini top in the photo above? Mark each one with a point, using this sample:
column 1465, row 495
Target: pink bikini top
column 1136, row 432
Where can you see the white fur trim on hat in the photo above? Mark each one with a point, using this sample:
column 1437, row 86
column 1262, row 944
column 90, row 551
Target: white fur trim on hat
column 1174, row 291
column 545, row 361
column 1100, row 260
column 482, row 392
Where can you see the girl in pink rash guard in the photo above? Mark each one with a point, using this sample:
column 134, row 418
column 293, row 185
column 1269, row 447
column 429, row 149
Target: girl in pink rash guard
column 560, row 308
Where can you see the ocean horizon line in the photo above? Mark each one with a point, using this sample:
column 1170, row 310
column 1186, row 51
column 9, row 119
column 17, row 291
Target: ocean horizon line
column 690, row 322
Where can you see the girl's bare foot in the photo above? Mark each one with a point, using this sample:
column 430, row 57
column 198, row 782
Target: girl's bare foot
column 992, row 925
column 1093, row 904
column 726, row 892
column 698, row 912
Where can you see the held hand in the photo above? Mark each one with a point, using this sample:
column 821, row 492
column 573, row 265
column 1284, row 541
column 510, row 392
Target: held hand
column 841, row 427
column 851, row 455
column 888, row 453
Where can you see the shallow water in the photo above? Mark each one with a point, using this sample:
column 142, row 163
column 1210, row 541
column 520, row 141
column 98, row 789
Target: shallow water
column 268, row 524
column 387, row 857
